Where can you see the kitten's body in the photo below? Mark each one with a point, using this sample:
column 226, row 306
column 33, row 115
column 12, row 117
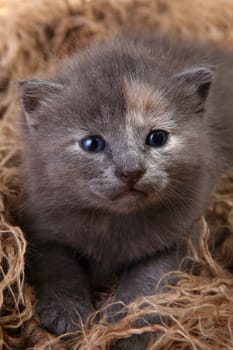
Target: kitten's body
column 122, row 90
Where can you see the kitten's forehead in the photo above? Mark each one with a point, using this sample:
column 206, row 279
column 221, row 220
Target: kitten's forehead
column 146, row 106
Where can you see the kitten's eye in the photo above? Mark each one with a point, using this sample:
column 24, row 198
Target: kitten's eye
column 157, row 138
column 93, row 144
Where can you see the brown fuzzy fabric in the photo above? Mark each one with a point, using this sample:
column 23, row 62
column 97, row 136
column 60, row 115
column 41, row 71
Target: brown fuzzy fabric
column 32, row 35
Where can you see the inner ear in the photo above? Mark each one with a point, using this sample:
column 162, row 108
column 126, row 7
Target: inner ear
column 196, row 80
column 33, row 92
column 203, row 90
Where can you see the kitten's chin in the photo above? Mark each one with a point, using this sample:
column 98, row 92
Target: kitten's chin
column 129, row 201
column 125, row 201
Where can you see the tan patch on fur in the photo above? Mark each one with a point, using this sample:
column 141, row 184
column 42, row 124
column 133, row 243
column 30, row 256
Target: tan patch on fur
column 147, row 109
column 142, row 101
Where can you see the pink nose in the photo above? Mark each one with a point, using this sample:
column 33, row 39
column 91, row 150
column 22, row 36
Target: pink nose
column 130, row 177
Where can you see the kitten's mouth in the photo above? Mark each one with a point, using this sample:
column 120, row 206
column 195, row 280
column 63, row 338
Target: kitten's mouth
column 129, row 194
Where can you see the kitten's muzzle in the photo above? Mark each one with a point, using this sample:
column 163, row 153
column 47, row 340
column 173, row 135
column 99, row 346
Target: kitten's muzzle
column 130, row 177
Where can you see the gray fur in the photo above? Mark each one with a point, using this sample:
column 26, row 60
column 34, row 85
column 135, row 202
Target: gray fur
column 80, row 230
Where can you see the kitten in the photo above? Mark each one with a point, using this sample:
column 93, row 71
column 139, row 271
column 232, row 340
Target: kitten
column 121, row 150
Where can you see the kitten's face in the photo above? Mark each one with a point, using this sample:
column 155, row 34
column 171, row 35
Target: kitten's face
column 120, row 146
column 124, row 166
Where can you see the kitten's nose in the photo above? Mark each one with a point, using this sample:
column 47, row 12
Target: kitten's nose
column 130, row 177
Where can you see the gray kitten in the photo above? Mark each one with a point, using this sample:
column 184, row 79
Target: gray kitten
column 121, row 150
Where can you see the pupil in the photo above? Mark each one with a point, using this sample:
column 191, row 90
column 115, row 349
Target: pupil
column 93, row 144
column 157, row 138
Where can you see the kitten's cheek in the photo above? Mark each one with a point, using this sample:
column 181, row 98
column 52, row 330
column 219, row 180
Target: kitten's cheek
column 99, row 190
column 163, row 184
column 155, row 183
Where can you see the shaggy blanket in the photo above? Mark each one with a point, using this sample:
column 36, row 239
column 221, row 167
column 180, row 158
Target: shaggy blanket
column 199, row 309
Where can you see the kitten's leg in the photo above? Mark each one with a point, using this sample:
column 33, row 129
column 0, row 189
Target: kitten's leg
column 141, row 280
column 62, row 288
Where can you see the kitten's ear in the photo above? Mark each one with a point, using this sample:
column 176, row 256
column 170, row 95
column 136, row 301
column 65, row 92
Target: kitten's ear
column 196, row 82
column 32, row 93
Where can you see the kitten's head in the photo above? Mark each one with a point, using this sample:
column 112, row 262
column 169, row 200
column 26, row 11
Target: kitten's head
column 115, row 131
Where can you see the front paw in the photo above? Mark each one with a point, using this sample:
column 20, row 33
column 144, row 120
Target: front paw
column 114, row 312
column 135, row 342
column 62, row 315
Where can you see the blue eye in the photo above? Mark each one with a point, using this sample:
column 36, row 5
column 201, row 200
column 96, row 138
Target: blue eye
column 157, row 138
column 92, row 144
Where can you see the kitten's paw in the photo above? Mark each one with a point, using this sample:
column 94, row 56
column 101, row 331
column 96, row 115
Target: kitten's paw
column 114, row 312
column 60, row 316
column 135, row 342
column 117, row 311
